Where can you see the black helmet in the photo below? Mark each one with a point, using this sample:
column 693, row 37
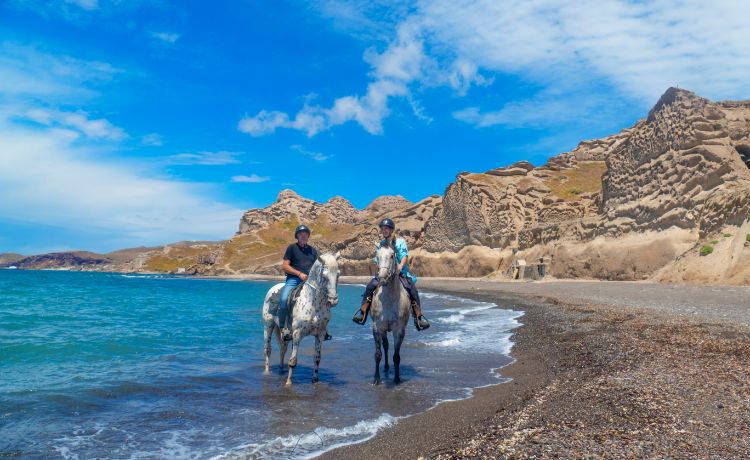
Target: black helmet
column 301, row 228
column 387, row 223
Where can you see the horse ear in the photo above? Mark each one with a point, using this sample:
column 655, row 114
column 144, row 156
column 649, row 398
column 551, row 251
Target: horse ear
column 337, row 255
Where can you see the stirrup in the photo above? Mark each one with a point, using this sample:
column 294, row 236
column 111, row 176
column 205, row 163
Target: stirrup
column 359, row 317
column 421, row 323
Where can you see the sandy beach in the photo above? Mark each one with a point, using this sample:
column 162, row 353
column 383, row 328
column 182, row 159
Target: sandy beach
column 603, row 370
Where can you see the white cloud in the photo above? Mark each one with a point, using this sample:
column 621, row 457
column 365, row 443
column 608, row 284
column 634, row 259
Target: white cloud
column 88, row 5
column 152, row 140
column 639, row 48
column 392, row 70
column 464, row 73
column 27, row 72
column 47, row 179
column 544, row 110
column 78, row 121
column 317, row 156
column 206, row 158
column 166, row 37
column 629, row 50
column 252, row 178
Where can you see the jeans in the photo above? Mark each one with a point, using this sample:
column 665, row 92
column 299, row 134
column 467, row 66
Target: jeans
column 291, row 283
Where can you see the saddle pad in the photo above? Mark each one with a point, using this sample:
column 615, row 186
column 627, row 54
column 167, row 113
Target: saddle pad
column 274, row 301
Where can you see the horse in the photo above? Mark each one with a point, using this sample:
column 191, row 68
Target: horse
column 310, row 315
column 390, row 311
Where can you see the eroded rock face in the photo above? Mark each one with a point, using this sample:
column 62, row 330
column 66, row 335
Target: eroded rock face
column 684, row 168
column 680, row 168
column 288, row 203
column 484, row 210
column 336, row 227
column 387, row 204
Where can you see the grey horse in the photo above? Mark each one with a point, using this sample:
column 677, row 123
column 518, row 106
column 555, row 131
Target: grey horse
column 390, row 311
column 311, row 313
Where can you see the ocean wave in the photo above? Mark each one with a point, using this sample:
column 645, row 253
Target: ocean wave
column 446, row 343
column 311, row 444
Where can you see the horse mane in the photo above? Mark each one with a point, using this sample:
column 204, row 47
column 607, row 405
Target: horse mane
column 316, row 271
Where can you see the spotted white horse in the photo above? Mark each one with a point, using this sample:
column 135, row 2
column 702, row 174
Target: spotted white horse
column 390, row 311
column 311, row 312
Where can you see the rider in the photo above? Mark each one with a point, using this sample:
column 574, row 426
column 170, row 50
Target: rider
column 298, row 260
column 387, row 228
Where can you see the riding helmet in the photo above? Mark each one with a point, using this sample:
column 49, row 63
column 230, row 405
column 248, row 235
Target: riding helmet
column 301, row 228
column 387, row 223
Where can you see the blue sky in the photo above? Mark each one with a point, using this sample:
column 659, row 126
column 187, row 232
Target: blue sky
column 141, row 123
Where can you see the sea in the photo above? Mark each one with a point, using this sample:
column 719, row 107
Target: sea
column 96, row 365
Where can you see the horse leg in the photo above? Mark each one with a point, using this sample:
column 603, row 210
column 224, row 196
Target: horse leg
column 378, row 354
column 399, row 339
column 293, row 358
column 318, row 343
column 267, row 331
column 282, row 349
column 385, row 352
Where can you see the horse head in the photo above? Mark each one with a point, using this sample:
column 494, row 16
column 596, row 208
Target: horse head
column 387, row 265
column 329, row 276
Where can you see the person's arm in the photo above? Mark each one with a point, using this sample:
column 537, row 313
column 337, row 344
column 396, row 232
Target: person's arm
column 286, row 266
column 402, row 263
column 404, row 250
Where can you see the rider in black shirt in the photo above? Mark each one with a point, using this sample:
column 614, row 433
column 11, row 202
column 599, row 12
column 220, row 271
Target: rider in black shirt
column 298, row 260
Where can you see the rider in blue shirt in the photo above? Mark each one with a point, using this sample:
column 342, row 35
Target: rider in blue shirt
column 387, row 227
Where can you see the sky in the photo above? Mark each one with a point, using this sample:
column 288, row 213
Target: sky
column 140, row 123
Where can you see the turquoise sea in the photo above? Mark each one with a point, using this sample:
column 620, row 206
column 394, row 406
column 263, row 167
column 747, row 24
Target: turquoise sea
column 97, row 365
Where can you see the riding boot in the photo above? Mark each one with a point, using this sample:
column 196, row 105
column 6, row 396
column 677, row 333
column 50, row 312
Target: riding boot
column 420, row 322
column 360, row 317
column 286, row 334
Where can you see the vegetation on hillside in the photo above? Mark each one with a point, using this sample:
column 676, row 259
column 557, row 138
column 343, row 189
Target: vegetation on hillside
column 568, row 184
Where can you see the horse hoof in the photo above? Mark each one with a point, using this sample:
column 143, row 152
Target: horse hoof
column 376, row 382
column 315, row 380
column 288, row 383
column 397, row 380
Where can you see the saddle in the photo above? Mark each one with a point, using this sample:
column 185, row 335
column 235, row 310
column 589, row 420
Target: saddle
column 293, row 297
column 290, row 302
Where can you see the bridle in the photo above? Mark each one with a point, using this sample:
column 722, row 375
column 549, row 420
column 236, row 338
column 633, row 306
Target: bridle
column 391, row 269
column 314, row 284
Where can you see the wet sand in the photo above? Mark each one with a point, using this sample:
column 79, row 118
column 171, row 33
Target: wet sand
column 603, row 370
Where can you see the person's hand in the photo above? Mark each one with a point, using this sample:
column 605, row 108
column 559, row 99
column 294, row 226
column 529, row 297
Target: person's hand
column 303, row 277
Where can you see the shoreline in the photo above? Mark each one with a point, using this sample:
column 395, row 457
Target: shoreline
column 612, row 378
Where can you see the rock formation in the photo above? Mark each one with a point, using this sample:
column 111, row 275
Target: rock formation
column 668, row 183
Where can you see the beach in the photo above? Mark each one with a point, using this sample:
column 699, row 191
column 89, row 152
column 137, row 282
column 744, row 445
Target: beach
column 602, row 370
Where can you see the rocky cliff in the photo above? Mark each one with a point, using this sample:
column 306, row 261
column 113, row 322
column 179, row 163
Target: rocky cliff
column 667, row 199
column 336, row 226
column 624, row 207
